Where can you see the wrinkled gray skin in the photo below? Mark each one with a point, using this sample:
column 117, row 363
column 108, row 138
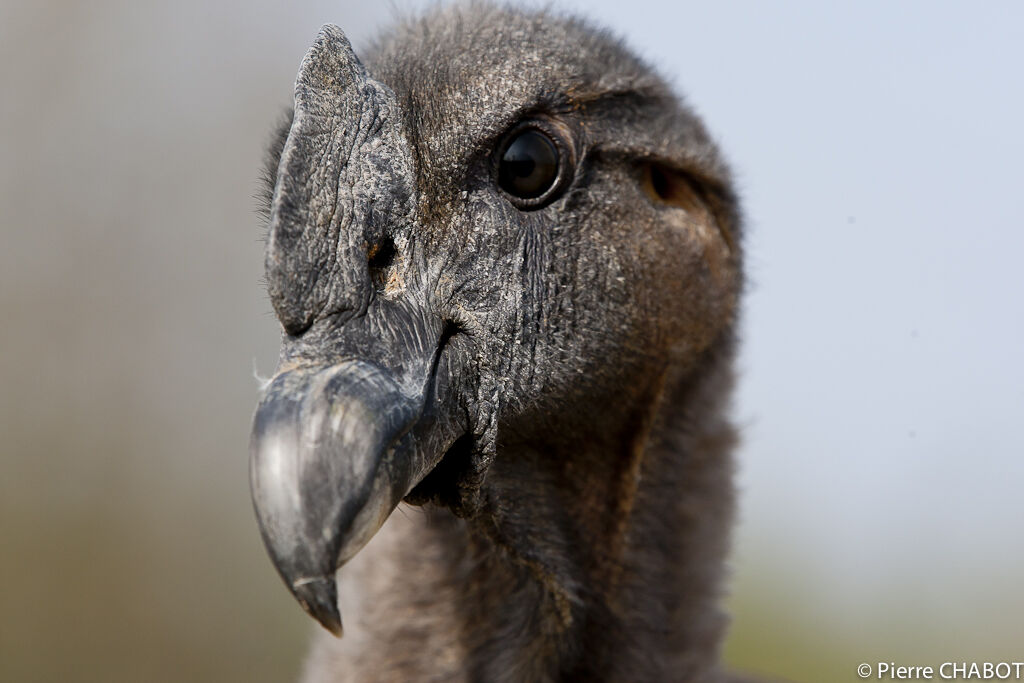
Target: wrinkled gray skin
column 547, row 387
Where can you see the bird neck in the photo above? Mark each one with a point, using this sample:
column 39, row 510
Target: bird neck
column 596, row 558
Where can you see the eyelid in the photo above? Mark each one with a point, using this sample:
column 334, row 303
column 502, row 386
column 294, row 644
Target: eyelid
column 559, row 133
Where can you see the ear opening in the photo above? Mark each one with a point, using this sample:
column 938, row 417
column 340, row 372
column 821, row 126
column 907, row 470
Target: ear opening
column 667, row 186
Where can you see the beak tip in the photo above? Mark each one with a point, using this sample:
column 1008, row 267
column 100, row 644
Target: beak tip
column 334, row 626
column 319, row 597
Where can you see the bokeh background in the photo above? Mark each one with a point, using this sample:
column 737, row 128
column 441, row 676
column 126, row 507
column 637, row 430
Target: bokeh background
column 878, row 147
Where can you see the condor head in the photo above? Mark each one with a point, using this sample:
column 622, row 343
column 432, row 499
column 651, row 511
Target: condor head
column 460, row 257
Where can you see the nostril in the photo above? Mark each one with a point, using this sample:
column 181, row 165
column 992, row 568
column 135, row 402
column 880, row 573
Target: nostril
column 451, row 329
column 382, row 256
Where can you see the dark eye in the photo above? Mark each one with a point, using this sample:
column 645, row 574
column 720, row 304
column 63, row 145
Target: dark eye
column 531, row 167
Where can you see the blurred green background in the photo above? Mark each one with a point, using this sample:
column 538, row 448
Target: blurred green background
column 132, row 320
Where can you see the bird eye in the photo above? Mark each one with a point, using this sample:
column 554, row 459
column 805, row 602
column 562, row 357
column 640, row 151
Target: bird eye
column 530, row 167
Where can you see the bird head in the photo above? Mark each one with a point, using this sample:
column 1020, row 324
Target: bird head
column 504, row 226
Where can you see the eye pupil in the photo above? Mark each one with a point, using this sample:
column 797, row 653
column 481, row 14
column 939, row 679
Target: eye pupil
column 529, row 165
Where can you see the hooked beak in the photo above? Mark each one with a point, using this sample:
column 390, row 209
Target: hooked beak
column 361, row 409
column 332, row 454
